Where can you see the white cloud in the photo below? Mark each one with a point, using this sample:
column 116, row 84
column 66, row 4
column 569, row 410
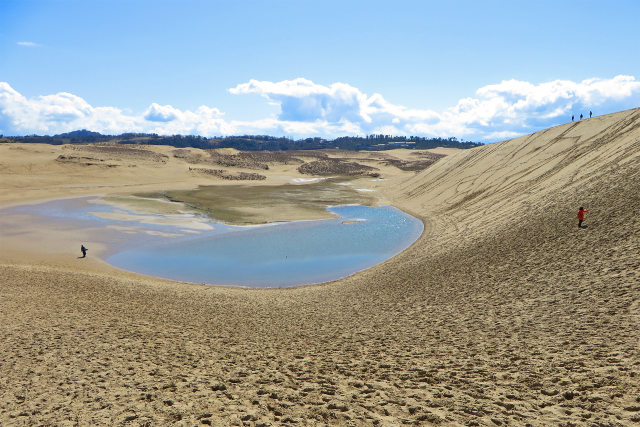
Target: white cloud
column 503, row 110
column 63, row 112
column 303, row 100
column 28, row 44
column 507, row 109
column 43, row 113
column 161, row 113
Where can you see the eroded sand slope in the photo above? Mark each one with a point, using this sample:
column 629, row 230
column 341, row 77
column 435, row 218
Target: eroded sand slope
column 504, row 312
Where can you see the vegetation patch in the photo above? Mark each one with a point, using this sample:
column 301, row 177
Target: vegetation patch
column 426, row 160
column 329, row 167
column 119, row 152
column 188, row 156
column 271, row 157
column 221, row 173
column 247, row 204
column 84, row 161
column 236, row 160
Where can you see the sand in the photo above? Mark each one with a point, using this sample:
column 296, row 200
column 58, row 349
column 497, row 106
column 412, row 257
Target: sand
column 503, row 312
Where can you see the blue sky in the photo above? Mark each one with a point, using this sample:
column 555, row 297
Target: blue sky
column 478, row 70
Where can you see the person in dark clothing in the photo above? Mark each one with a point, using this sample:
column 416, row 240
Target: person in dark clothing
column 581, row 213
column 572, row 117
column 580, row 116
column 590, row 114
column 84, row 251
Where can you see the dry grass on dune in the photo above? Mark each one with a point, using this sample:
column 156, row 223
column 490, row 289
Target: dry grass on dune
column 503, row 313
column 224, row 174
column 331, row 167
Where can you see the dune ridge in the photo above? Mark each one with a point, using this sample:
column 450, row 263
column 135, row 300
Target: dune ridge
column 503, row 313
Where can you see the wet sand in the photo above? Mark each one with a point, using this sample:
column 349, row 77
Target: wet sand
column 503, row 312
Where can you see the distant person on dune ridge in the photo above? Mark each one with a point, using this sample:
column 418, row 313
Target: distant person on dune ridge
column 581, row 116
column 590, row 114
column 581, row 213
column 84, row 251
column 572, row 117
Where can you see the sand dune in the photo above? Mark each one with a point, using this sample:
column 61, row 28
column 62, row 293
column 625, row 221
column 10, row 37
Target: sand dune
column 503, row 313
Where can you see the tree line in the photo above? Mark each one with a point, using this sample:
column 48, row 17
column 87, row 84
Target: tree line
column 249, row 142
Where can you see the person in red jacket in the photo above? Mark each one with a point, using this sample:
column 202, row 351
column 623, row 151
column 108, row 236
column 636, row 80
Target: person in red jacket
column 581, row 213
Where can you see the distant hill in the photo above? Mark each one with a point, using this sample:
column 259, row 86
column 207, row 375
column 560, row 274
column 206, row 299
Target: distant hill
column 249, row 142
column 79, row 134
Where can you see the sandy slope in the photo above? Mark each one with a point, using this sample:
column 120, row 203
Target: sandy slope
column 504, row 312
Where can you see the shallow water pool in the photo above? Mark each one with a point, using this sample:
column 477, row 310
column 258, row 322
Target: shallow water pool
column 286, row 254
column 274, row 255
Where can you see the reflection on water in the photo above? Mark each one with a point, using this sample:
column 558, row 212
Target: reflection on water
column 283, row 254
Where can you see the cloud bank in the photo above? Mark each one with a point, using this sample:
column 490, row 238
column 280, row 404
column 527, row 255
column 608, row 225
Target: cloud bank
column 499, row 111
